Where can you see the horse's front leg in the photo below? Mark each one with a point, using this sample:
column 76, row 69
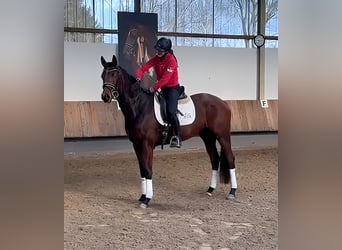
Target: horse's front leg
column 144, row 154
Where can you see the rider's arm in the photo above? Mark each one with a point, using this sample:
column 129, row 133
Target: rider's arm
column 168, row 73
column 150, row 63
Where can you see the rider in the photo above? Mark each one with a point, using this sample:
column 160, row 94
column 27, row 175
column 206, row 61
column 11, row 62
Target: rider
column 166, row 68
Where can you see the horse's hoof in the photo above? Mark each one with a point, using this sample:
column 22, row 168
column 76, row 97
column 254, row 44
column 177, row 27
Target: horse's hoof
column 210, row 190
column 143, row 205
column 231, row 197
column 142, row 198
column 144, row 201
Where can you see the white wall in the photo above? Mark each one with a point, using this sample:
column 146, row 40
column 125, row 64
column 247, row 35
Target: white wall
column 229, row 73
column 82, row 70
column 226, row 72
column 271, row 73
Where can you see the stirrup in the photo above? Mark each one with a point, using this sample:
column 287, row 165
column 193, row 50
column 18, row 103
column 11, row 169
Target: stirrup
column 175, row 142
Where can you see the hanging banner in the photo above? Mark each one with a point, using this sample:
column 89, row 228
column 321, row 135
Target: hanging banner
column 136, row 39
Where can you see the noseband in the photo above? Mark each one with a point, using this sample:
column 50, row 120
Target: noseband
column 112, row 86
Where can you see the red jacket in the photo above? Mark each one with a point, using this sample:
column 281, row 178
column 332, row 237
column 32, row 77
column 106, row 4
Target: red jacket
column 166, row 70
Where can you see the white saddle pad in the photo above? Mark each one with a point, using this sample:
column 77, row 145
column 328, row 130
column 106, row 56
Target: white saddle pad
column 185, row 106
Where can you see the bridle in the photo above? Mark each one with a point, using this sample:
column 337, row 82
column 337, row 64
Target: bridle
column 112, row 86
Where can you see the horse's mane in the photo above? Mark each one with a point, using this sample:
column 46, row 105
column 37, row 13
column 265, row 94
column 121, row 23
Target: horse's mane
column 139, row 98
column 131, row 78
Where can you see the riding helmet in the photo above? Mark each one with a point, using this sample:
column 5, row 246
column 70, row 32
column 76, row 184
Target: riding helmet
column 163, row 44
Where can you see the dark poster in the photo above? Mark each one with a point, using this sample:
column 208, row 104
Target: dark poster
column 137, row 37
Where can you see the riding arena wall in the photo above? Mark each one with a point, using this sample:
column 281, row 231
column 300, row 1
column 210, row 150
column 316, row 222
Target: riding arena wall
column 229, row 73
column 98, row 119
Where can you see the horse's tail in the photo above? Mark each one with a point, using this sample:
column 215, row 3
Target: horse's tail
column 224, row 168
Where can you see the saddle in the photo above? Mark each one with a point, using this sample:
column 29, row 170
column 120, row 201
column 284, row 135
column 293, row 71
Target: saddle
column 162, row 102
column 182, row 94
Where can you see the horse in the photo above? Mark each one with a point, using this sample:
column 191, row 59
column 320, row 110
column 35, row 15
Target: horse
column 211, row 124
column 137, row 49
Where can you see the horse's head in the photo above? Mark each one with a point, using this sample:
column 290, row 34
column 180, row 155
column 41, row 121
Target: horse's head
column 111, row 77
column 117, row 83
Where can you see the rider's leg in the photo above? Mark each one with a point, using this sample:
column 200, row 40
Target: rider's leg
column 171, row 96
column 175, row 140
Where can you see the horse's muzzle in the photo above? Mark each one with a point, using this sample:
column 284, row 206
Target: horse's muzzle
column 106, row 98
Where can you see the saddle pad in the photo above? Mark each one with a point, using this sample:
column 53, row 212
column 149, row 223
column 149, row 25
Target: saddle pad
column 185, row 106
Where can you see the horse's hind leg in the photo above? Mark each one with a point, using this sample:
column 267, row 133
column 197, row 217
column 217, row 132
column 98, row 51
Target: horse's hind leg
column 227, row 165
column 209, row 139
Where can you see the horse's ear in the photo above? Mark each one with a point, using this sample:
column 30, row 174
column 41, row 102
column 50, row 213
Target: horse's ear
column 114, row 61
column 103, row 62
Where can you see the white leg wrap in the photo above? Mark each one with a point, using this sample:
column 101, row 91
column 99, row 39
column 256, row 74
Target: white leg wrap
column 149, row 188
column 143, row 185
column 214, row 178
column 233, row 178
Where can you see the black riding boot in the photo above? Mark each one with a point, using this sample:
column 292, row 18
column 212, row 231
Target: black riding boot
column 175, row 141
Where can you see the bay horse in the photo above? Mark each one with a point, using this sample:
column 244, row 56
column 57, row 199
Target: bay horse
column 211, row 124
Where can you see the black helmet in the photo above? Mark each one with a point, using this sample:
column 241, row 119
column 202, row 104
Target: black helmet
column 163, row 44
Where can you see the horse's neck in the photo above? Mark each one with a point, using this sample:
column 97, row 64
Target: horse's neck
column 135, row 108
column 133, row 103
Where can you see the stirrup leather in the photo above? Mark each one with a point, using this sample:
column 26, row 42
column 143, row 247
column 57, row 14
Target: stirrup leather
column 175, row 142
